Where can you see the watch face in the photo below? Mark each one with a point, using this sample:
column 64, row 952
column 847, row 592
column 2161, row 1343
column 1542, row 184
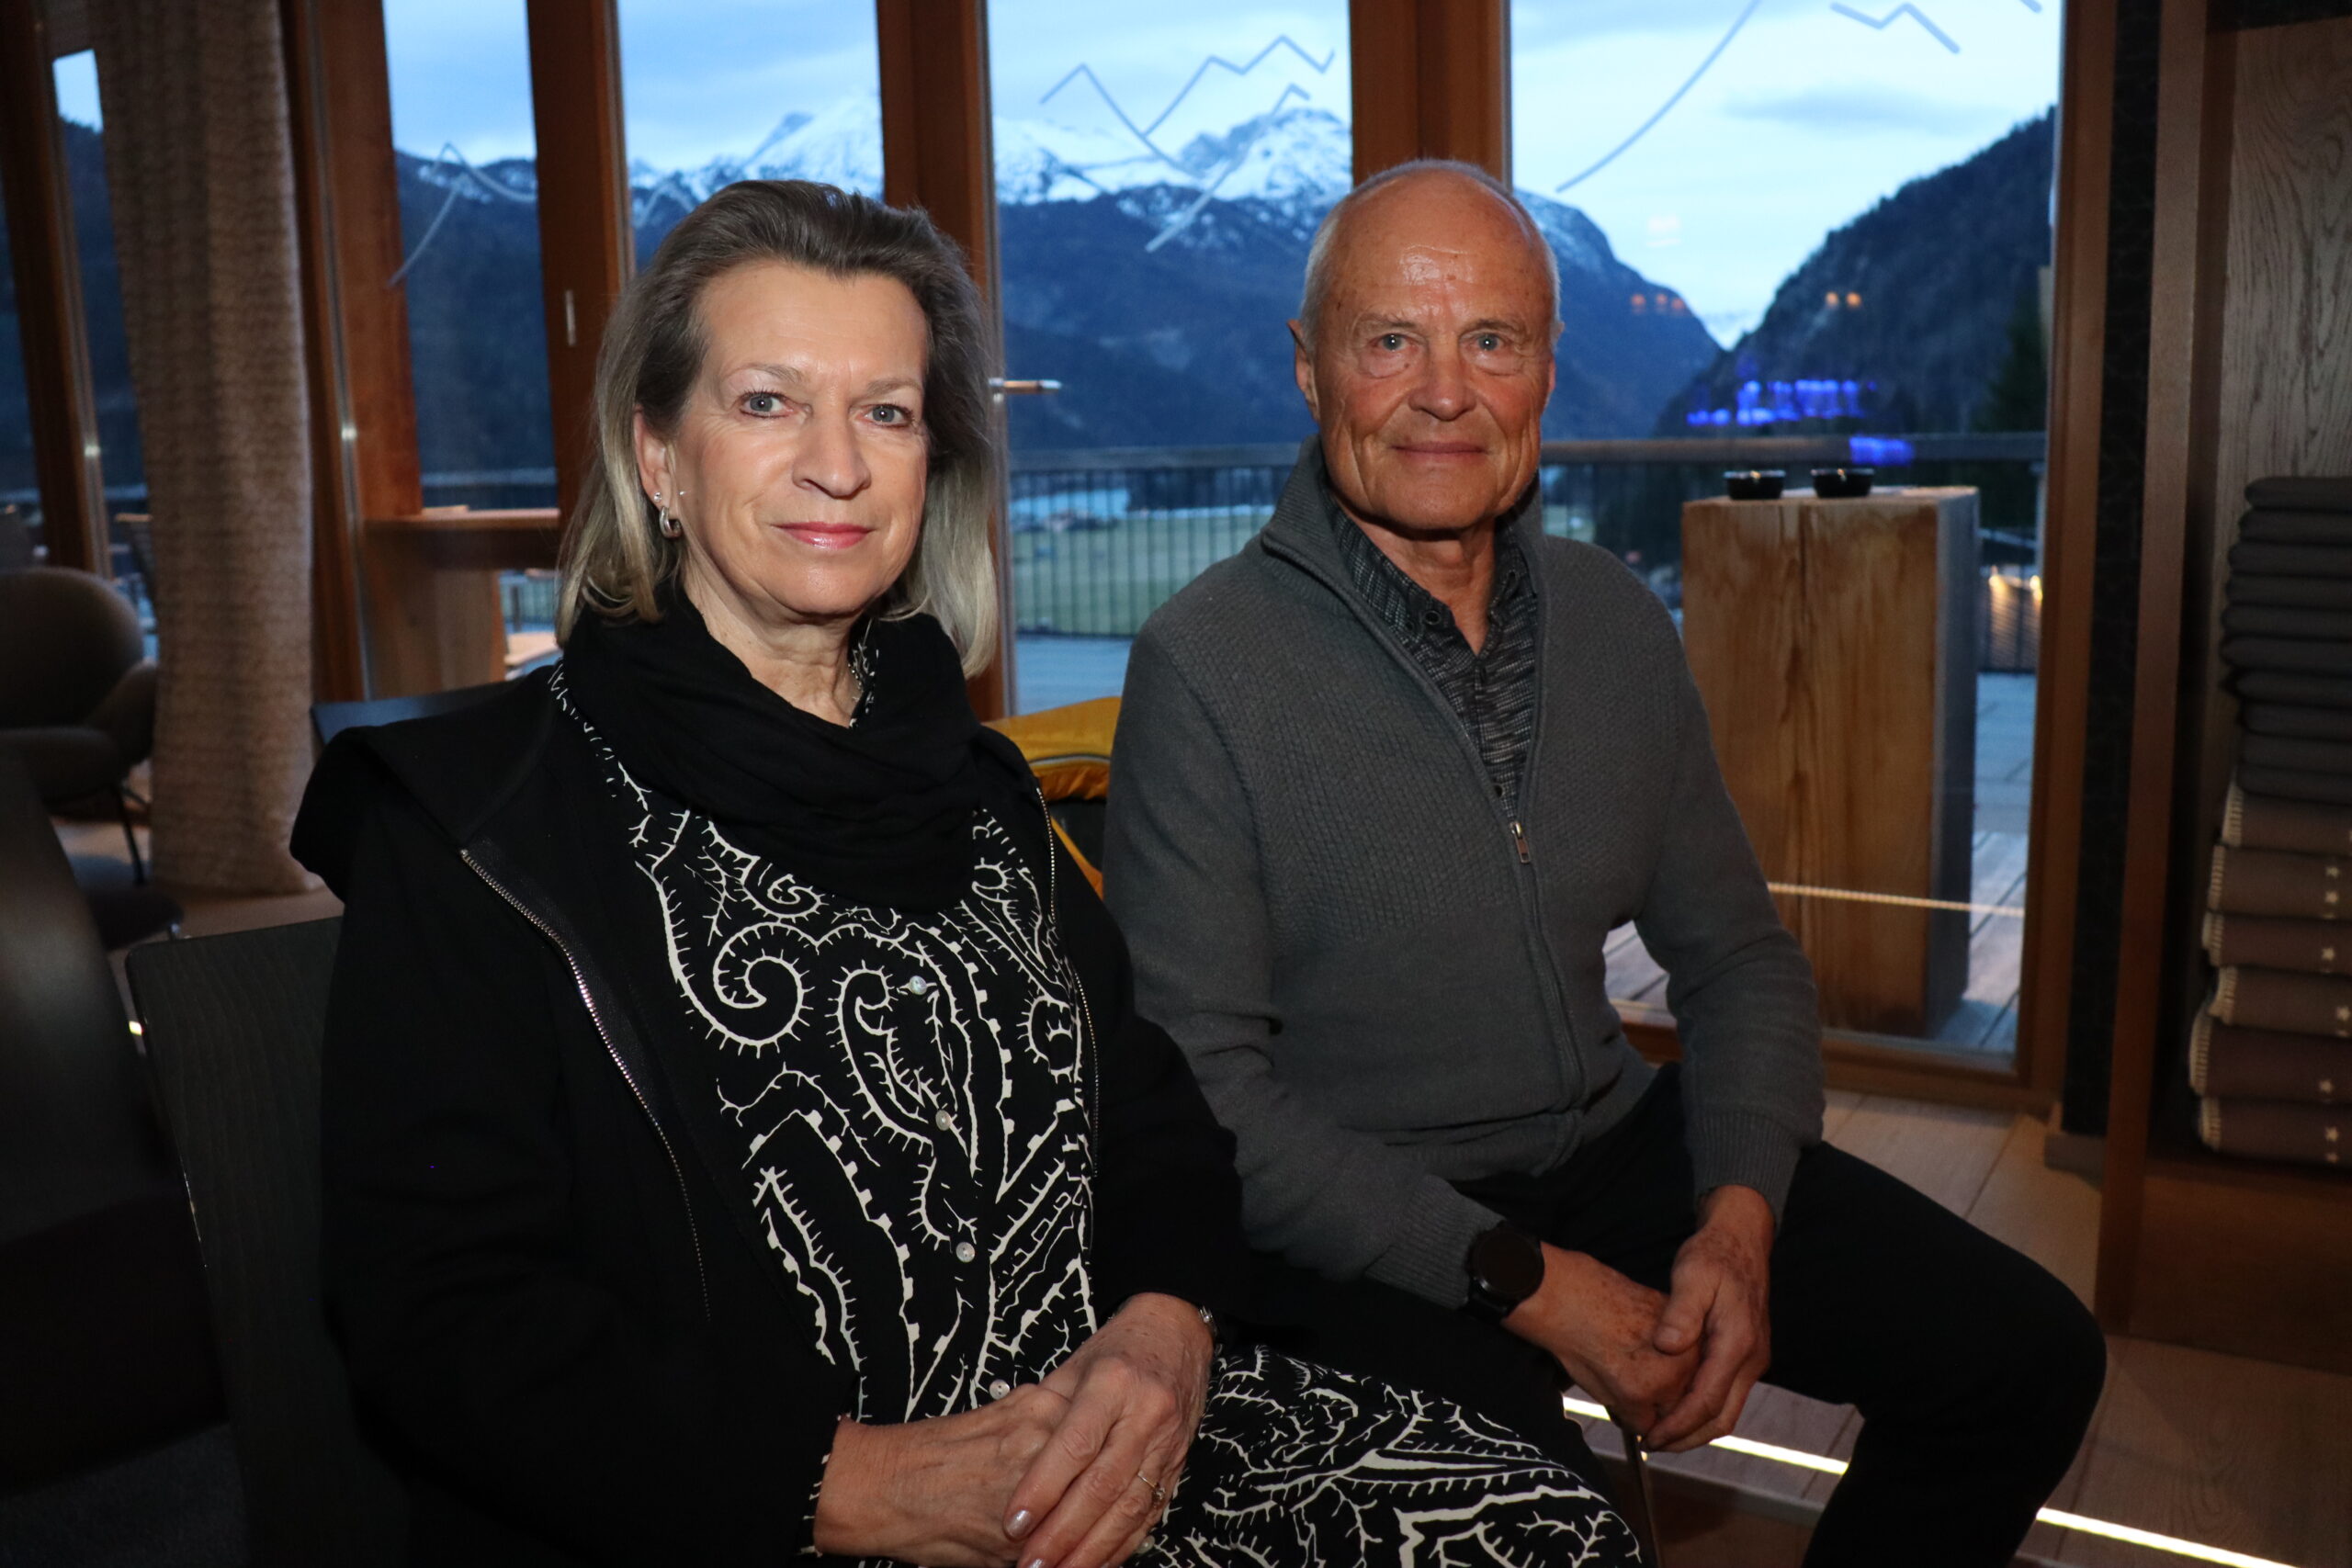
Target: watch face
column 1508, row 1263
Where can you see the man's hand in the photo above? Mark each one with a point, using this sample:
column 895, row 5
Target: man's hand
column 1602, row 1327
column 1722, row 1291
column 1136, row 1390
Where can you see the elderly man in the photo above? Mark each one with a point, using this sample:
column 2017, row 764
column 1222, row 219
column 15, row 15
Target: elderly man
column 1386, row 782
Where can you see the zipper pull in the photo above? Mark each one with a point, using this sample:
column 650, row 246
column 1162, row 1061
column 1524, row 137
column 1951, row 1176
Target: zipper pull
column 1519, row 837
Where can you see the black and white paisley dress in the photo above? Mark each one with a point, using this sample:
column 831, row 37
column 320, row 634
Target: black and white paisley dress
column 930, row 1074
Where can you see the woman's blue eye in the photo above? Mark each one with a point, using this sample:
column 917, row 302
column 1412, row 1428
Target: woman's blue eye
column 762, row 402
column 891, row 413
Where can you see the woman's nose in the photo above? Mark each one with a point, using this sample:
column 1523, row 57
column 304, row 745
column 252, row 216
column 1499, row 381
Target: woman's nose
column 829, row 459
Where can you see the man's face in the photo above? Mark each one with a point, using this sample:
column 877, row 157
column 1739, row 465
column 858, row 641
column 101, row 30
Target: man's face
column 1432, row 359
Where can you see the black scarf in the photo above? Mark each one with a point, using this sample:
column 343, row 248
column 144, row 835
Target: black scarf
column 880, row 813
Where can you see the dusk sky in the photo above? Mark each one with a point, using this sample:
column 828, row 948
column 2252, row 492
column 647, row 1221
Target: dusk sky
column 1808, row 116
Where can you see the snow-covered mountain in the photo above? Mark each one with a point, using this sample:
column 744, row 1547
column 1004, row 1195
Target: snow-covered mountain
column 1152, row 277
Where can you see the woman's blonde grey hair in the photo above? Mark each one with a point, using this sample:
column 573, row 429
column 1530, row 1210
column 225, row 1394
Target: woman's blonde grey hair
column 615, row 556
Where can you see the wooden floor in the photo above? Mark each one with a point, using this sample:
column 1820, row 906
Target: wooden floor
column 2244, row 1455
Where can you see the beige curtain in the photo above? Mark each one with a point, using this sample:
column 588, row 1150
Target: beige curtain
column 200, row 171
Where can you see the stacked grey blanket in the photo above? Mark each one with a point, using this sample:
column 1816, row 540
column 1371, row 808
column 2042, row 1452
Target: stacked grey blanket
column 2270, row 1054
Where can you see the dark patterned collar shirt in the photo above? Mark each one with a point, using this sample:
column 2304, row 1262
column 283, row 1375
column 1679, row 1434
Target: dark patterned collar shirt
column 1492, row 691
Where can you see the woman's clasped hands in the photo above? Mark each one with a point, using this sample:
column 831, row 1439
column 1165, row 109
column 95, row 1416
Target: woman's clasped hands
column 1070, row 1472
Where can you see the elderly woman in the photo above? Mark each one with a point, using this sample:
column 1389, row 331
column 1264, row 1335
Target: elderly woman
column 739, row 1140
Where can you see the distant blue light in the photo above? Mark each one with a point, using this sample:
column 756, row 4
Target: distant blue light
column 1880, row 451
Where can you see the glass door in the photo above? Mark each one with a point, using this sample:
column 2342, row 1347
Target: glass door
column 1820, row 239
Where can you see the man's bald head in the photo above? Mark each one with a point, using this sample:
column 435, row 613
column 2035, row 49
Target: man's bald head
column 1332, row 235
column 1424, row 349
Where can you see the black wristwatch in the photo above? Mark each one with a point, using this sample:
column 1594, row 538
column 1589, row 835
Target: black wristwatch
column 1506, row 1267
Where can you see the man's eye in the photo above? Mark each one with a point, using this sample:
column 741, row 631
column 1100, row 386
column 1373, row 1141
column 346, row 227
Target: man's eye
column 1489, row 343
column 1391, row 342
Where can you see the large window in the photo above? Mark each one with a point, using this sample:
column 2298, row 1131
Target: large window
column 718, row 92
column 461, row 124
column 1159, row 173
column 19, row 482
column 82, row 145
column 1829, row 221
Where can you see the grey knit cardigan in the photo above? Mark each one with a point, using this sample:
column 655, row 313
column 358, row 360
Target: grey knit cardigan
column 1384, row 985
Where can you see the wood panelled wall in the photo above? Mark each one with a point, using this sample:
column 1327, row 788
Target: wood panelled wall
column 2251, row 334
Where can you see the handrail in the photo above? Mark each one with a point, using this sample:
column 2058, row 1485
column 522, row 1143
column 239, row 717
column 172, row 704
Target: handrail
column 1732, row 451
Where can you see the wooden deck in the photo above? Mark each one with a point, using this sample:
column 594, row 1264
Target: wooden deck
column 1986, row 1017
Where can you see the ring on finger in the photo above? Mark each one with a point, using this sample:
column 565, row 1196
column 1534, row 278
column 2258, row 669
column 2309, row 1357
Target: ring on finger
column 1158, row 1492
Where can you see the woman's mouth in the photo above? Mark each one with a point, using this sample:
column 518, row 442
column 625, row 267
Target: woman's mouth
column 826, row 536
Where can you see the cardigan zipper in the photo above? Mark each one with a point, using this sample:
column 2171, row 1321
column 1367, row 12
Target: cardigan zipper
column 596, row 1017
column 1514, row 825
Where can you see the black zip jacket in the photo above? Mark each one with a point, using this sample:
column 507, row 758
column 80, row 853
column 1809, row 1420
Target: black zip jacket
column 558, row 1317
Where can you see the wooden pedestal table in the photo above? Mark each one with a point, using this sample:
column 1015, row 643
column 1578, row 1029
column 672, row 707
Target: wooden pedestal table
column 1835, row 645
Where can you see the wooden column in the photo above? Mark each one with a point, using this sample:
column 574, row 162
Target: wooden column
column 587, row 242
column 1431, row 79
column 937, row 153
column 2193, row 110
column 49, row 321
column 1835, row 644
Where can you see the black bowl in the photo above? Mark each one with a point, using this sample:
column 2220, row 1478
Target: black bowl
column 1754, row 484
column 1842, row 484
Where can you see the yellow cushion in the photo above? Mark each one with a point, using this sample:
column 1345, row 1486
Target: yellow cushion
column 1069, row 747
column 1069, row 750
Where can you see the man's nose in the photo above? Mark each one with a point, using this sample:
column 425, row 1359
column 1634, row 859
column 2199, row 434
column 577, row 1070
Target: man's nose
column 1442, row 391
column 830, row 459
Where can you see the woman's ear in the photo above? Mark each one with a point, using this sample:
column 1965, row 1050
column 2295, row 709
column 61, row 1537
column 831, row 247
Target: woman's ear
column 653, row 475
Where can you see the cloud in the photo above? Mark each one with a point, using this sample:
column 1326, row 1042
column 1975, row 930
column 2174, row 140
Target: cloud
column 1862, row 106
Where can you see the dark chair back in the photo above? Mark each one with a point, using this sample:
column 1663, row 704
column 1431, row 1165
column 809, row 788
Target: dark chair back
column 331, row 719
column 233, row 1031
column 65, row 638
column 106, row 1349
column 76, row 1133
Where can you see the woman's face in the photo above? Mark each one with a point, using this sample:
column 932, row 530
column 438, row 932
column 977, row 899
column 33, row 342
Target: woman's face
column 798, row 465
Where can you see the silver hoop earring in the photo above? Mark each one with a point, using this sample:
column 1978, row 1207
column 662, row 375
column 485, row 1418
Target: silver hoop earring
column 670, row 526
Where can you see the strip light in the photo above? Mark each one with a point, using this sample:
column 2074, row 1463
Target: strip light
column 2055, row 1517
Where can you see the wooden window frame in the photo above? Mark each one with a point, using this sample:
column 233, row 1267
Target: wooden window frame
column 1447, row 61
column 51, row 328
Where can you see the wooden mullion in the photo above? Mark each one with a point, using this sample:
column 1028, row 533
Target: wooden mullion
column 1429, row 79
column 587, row 243
column 339, row 665
column 937, row 153
column 51, row 327
column 361, row 216
column 2077, row 371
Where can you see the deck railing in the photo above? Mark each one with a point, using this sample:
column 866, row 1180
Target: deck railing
column 1101, row 537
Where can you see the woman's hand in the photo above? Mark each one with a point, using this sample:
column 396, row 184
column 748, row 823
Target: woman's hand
column 935, row 1492
column 1134, row 1391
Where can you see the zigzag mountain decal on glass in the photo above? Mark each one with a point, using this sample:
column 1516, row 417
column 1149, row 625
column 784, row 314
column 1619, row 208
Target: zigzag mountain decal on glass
column 1149, row 264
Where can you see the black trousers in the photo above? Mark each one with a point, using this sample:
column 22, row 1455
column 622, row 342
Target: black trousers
column 1975, row 1371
